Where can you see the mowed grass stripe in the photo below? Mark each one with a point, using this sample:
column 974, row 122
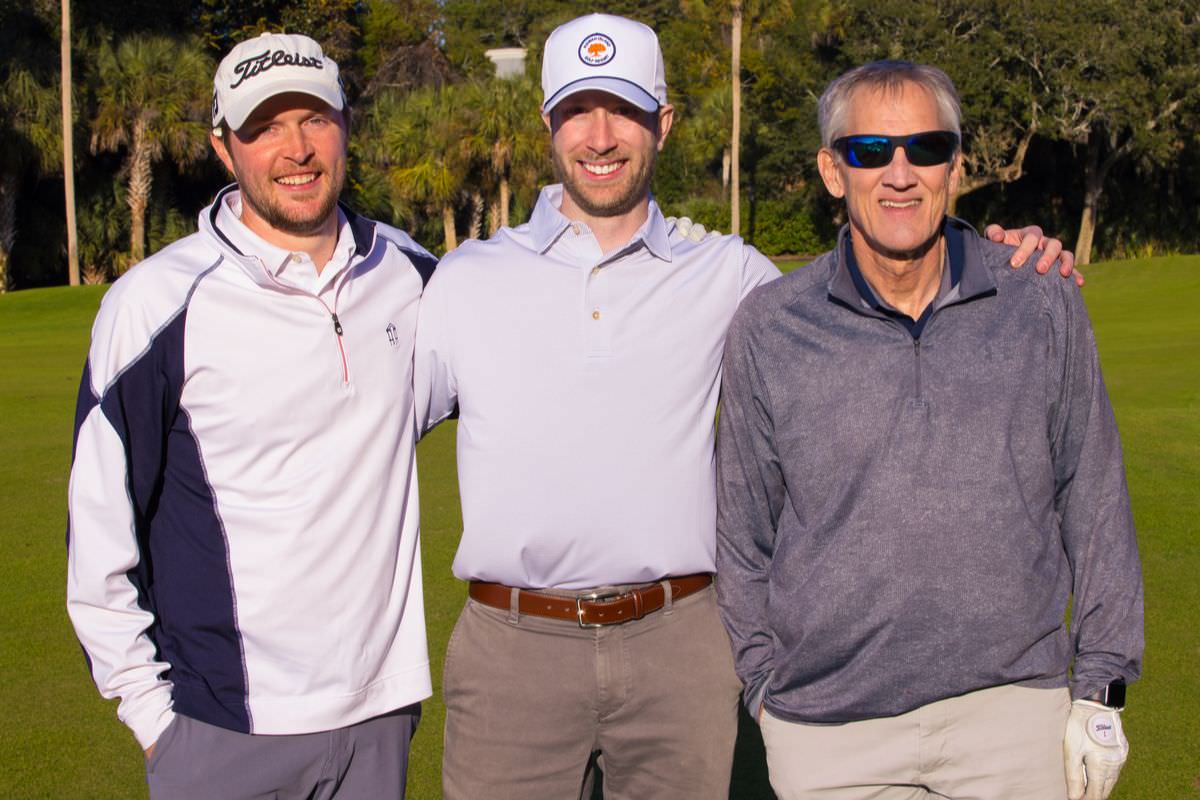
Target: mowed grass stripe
column 60, row 740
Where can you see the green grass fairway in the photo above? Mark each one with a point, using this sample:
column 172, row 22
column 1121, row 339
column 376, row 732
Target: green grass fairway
column 58, row 739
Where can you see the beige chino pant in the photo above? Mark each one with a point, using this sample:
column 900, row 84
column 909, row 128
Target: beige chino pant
column 532, row 702
column 1004, row 743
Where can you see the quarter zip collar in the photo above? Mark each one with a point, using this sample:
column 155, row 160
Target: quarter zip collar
column 966, row 278
column 263, row 261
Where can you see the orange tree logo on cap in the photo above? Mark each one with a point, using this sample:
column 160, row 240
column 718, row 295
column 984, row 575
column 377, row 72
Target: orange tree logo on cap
column 596, row 50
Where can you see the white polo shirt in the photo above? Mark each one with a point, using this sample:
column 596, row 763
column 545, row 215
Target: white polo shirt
column 587, row 390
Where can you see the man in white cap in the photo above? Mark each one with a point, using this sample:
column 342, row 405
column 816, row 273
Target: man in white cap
column 582, row 352
column 243, row 557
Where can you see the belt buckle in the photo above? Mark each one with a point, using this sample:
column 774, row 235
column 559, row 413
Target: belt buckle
column 592, row 597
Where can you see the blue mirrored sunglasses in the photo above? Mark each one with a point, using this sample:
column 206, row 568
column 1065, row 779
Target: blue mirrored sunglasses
column 870, row 151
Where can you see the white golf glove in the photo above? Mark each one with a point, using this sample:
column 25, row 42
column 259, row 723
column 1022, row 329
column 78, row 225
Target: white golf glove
column 690, row 230
column 1095, row 749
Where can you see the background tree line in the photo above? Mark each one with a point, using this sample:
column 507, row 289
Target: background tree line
column 1082, row 116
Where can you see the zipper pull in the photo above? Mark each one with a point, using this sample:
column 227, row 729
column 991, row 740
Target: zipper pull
column 337, row 326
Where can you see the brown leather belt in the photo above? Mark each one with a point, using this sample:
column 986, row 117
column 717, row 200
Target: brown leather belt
column 591, row 609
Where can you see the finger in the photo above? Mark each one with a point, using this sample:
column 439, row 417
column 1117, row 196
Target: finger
column 1066, row 265
column 1052, row 247
column 1078, row 276
column 1025, row 249
column 1075, row 780
column 994, row 232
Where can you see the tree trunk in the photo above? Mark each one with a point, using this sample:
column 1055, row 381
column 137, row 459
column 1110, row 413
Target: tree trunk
column 493, row 217
column 735, row 200
column 8, row 224
column 504, row 201
column 726, row 163
column 68, row 147
column 1093, row 186
column 448, row 228
column 476, row 230
column 139, row 192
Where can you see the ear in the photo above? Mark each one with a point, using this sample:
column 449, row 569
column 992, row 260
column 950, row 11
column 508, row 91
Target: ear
column 956, row 171
column 666, row 118
column 831, row 172
column 222, row 150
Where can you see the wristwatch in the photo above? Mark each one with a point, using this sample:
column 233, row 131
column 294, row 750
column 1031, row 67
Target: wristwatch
column 1112, row 695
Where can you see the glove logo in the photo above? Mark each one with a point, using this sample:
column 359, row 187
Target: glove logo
column 1102, row 730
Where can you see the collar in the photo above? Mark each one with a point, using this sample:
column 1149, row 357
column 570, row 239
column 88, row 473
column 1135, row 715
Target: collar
column 969, row 277
column 548, row 223
column 226, row 224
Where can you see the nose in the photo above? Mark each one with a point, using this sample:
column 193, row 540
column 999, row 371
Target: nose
column 297, row 147
column 899, row 174
column 600, row 135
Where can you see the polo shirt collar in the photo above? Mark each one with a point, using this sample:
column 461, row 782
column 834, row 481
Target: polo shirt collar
column 547, row 224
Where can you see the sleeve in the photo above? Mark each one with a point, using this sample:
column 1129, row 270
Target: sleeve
column 1096, row 523
column 433, row 376
column 750, row 496
column 125, row 403
column 757, row 269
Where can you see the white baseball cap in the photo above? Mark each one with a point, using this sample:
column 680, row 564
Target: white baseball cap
column 267, row 65
column 611, row 54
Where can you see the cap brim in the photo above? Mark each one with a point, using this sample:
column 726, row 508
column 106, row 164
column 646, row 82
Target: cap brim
column 626, row 90
column 236, row 117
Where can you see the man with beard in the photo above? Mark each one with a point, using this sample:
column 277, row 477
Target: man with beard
column 243, row 557
column 582, row 352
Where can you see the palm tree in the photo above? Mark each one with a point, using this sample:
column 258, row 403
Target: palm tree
column 508, row 138
column 32, row 141
column 420, row 141
column 705, row 128
column 152, row 100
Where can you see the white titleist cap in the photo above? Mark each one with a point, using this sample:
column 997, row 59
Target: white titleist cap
column 611, row 54
column 271, row 64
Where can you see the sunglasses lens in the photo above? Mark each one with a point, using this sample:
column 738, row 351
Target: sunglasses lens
column 867, row 152
column 928, row 149
column 922, row 149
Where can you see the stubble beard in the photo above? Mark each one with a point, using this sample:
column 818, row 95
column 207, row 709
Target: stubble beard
column 274, row 214
column 638, row 188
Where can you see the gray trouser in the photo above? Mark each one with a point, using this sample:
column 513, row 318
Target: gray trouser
column 530, row 702
column 1004, row 743
column 193, row 760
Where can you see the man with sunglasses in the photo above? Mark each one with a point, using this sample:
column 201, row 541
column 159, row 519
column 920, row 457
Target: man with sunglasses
column 918, row 468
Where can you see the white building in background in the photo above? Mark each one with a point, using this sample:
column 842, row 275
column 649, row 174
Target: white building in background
column 509, row 61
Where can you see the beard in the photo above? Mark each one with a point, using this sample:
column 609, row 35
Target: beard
column 265, row 205
column 636, row 189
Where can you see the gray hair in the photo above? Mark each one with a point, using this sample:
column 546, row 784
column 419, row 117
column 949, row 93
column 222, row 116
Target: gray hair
column 886, row 77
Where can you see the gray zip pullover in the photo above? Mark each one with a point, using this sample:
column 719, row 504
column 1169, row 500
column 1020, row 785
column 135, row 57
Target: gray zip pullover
column 903, row 520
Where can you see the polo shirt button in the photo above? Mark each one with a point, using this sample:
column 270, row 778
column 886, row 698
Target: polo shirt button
column 296, row 258
column 596, row 314
column 595, row 270
column 575, row 228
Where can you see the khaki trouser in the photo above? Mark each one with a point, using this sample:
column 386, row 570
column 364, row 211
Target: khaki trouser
column 532, row 702
column 1004, row 743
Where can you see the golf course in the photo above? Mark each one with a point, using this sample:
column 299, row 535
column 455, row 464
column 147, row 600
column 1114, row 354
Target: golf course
column 59, row 739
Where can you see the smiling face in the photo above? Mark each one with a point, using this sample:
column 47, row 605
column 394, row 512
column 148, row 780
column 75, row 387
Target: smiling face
column 289, row 159
column 604, row 150
column 896, row 211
